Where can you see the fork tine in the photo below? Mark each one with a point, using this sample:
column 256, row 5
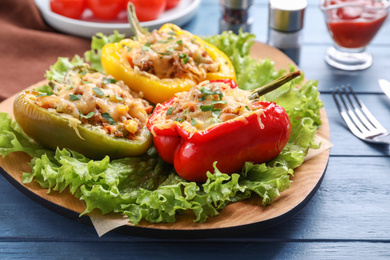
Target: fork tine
column 359, row 119
column 372, row 120
column 366, row 123
column 351, row 125
column 359, row 129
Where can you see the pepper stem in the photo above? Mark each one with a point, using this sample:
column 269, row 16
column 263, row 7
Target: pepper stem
column 139, row 32
column 256, row 93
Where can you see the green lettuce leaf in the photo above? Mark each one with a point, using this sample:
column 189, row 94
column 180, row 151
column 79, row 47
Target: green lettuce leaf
column 58, row 71
column 13, row 139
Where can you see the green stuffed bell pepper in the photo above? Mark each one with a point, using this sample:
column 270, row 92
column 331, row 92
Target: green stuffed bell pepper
column 87, row 112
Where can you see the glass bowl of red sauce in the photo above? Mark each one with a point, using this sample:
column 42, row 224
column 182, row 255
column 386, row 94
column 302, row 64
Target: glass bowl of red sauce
column 352, row 24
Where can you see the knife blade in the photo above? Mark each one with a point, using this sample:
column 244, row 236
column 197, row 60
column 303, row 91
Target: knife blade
column 385, row 86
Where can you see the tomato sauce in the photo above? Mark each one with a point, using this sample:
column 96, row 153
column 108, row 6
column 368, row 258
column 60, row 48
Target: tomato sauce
column 355, row 26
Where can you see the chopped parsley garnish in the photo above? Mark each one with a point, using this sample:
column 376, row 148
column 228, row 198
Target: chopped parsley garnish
column 83, row 73
column 127, row 47
column 165, row 53
column 214, row 102
column 208, row 92
column 180, row 42
column 184, row 57
column 109, row 81
column 179, row 119
column 87, row 116
column 98, row 91
column 206, row 108
column 247, row 108
column 169, row 111
column 172, row 33
column 45, row 94
column 107, row 117
column 46, row 90
column 74, row 97
column 168, row 52
column 193, row 121
column 146, row 47
column 216, row 112
column 86, row 81
column 118, row 97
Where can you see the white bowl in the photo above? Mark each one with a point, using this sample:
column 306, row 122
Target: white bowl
column 88, row 26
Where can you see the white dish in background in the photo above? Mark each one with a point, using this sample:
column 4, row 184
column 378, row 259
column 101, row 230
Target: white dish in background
column 88, row 26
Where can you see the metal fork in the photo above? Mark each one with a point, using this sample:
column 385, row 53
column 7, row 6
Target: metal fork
column 358, row 118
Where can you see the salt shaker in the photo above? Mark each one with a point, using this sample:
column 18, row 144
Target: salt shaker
column 285, row 26
column 235, row 15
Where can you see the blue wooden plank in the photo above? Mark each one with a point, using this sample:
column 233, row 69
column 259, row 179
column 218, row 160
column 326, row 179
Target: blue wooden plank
column 21, row 217
column 352, row 203
column 197, row 250
column 347, row 218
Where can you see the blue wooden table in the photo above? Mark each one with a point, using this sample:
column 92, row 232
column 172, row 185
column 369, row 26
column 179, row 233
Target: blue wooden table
column 349, row 216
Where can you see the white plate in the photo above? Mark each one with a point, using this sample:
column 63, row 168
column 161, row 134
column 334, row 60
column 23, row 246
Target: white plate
column 88, row 26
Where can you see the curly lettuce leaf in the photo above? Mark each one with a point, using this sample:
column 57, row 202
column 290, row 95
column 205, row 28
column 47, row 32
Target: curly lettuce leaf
column 235, row 46
column 58, row 71
column 140, row 187
column 13, row 139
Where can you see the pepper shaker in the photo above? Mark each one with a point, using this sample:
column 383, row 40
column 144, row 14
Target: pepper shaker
column 235, row 15
column 285, row 26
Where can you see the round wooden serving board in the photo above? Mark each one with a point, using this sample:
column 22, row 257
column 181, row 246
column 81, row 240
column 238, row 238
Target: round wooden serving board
column 248, row 215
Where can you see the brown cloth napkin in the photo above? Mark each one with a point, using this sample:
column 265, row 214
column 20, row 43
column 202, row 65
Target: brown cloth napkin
column 28, row 46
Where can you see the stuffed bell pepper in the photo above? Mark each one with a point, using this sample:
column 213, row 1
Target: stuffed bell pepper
column 164, row 62
column 87, row 112
column 217, row 122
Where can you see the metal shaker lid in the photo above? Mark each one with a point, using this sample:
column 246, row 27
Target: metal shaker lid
column 287, row 15
column 236, row 4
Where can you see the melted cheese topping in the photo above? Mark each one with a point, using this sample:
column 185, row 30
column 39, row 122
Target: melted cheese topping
column 98, row 102
column 170, row 55
column 207, row 105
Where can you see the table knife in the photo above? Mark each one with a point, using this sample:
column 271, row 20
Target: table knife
column 385, row 86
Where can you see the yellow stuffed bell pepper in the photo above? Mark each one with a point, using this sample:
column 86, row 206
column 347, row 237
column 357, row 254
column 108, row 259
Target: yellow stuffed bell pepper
column 164, row 62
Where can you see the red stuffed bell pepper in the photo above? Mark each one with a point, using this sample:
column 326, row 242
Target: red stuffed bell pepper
column 215, row 121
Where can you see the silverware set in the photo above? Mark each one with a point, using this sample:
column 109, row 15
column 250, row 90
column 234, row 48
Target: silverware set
column 358, row 118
